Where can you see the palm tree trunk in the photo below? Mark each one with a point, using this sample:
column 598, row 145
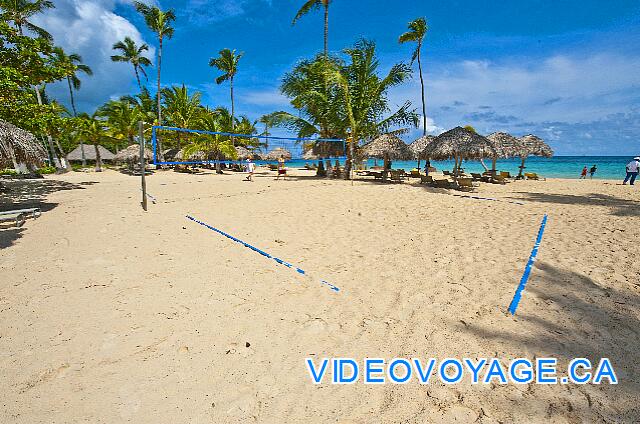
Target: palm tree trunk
column 98, row 159
column 73, row 103
column 326, row 30
column 135, row 68
column 159, row 144
column 233, row 113
column 56, row 160
column 424, row 107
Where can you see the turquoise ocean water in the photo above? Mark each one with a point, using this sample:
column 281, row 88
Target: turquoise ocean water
column 609, row 167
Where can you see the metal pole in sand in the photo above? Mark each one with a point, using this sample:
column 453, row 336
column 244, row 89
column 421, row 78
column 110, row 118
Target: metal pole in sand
column 142, row 165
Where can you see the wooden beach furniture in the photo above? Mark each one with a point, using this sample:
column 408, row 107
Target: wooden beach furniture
column 414, row 173
column 426, row 179
column 465, row 184
column 441, row 184
column 531, row 176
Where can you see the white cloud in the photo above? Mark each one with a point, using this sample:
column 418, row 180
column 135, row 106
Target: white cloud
column 90, row 28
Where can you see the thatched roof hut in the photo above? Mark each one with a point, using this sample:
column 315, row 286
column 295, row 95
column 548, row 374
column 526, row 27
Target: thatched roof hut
column 505, row 145
column 19, row 146
column 172, row 154
column 244, row 153
column 459, row 143
column 90, row 153
column 389, row 146
column 132, row 154
column 277, row 153
column 532, row 145
column 418, row 146
column 309, row 155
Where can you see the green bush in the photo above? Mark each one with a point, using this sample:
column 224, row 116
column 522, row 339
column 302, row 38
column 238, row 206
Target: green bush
column 8, row 171
column 47, row 170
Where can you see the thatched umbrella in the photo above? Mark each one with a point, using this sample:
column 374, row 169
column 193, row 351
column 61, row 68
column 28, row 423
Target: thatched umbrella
column 459, row 143
column 244, row 153
column 531, row 145
column 388, row 147
column 19, row 146
column 276, row 154
column 309, row 155
column 172, row 154
column 505, row 145
column 132, row 154
column 418, row 146
column 89, row 154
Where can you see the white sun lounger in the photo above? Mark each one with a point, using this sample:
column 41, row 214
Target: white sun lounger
column 20, row 215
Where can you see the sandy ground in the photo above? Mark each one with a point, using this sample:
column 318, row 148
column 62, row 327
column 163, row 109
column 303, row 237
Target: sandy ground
column 110, row 314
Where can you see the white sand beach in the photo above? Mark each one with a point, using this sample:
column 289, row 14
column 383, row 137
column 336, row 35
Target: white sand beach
column 112, row 314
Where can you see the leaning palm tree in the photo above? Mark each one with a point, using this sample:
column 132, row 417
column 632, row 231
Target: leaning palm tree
column 20, row 12
column 227, row 62
column 310, row 5
column 158, row 21
column 71, row 64
column 133, row 54
column 417, row 30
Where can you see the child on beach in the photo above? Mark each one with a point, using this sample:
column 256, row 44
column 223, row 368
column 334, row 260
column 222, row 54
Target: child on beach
column 583, row 175
column 592, row 171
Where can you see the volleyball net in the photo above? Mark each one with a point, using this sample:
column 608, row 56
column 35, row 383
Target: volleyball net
column 183, row 146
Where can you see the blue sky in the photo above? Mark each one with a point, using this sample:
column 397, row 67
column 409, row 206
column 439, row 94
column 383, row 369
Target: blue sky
column 566, row 70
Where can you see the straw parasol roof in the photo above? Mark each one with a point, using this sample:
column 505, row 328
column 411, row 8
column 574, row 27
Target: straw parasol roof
column 90, row 153
column 132, row 154
column 309, row 155
column 172, row 154
column 534, row 146
column 418, row 146
column 275, row 154
column 388, row 145
column 506, row 145
column 459, row 143
column 19, row 144
column 244, row 153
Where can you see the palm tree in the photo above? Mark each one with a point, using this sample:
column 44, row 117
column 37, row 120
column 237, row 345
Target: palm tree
column 133, row 54
column 122, row 118
column 227, row 62
column 181, row 108
column 20, row 11
column 217, row 145
column 95, row 131
column 314, row 5
column 417, row 30
column 71, row 64
column 158, row 21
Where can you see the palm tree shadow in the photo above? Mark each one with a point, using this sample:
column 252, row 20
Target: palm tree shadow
column 620, row 207
column 25, row 194
column 584, row 319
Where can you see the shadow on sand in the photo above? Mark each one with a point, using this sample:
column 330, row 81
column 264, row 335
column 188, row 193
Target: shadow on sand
column 593, row 322
column 24, row 194
column 620, row 207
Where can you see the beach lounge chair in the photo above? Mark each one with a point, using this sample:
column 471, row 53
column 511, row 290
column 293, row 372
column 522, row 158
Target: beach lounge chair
column 447, row 173
column 498, row 179
column 441, row 184
column 505, row 174
column 465, row 184
column 396, row 175
column 20, row 215
column 531, row 176
column 426, row 179
column 272, row 167
column 477, row 177
column 414, row 173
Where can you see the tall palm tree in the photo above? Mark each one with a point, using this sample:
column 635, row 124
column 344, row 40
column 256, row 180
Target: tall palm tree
column 181, row 109
column 227, row 62
column 133, row 54
column 310, row 5
column 122, row 119
column 417, row 30
column 215, row 145
column 20, row 11
column 158, row 21
column 72, row 64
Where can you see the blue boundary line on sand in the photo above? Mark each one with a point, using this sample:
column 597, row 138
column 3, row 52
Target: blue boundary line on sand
column 263, row 253
column 527, row 270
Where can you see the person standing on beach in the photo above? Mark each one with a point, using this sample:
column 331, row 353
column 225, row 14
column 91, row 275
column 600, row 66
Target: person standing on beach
column 592, row 171
column 583, row 175
column 251, row 168
column 633, row 168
